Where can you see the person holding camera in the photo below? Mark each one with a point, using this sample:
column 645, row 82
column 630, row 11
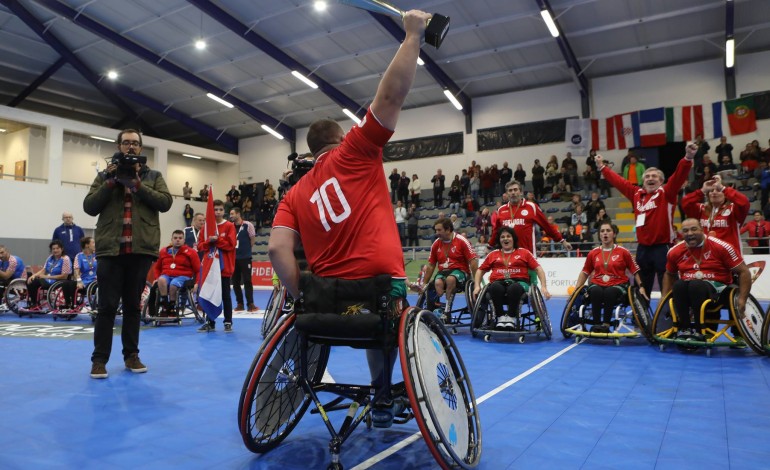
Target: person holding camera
column 127, row 198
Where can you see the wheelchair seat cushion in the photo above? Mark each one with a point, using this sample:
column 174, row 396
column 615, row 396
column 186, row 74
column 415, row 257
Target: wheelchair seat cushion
column 345, row 310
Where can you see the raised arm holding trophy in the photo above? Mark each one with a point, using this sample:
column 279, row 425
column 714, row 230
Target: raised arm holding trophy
column 435, row 32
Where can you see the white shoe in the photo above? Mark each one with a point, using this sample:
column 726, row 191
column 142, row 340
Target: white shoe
column 504, row 321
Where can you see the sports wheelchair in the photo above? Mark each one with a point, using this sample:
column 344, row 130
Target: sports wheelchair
column 17, row 299
column 631, row 318
column 185, row 306
column 84, row 300
column 532, row 319
column 286, row 376
column 452, row 317
column 279, row 304
column 715, row 331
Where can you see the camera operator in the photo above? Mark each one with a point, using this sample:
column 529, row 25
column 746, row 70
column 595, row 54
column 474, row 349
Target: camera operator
column 127, row 197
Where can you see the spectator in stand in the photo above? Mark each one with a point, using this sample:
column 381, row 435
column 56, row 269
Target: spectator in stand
column 506, row 175
column 470, row 207
column 475, row 185
column 69, row 235
column 481, row 247
column 547, row 247
column 561, row 193
column 269, row 190
column 604, row 185
column 591, row 160
column 589, row 179
column 400, row 215
column 457, row 223
column 634, row 171
column 579, row 217
column 758, row 231
column 438, row 188
column 414, row 190
column 403, row 188
column 652, row 205
column 233, row 193
column 750, row 157
column 764, row 183
column 465, row 182
column 472, row 167
column 520, row 175
column 483, row 223
column 727, row 169
column 267, row 210
column 187, row 191
column 412, row 223
column 572, row 237
column 600, row 218
column 707, row 163
column 706, row 175
column 455, row 194
column 187, row 213
column 593, row 206
column 394, row 180
column 570, row 172
column 552, row 174
column 723, row 214
column 724, row 149
column 538, row 180
column 703, row 148
column 228, row 204
column 247, row 209
column 203, row 194
column 487, row 185
column 574, row 202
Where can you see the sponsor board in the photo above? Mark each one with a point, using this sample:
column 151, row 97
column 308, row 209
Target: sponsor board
column 261, row 273
column 42, row 330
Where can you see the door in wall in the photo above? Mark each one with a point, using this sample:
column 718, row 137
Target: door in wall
column 20, row 170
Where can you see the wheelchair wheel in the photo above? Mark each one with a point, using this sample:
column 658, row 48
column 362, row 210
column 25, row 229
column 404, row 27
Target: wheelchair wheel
column 271, row 401
column 273, row 310
column 55, row 295
column 640, row 307
column 571, row 315
column 750, row 322
column 92, row 296
column 16, row 295
column 766, row 332
column 439, row 390
column 483, row 312
column 663, row 322
column 538, row 306
column 150, row 305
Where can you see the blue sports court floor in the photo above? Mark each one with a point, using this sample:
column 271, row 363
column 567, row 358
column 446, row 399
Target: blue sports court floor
column 543, row 404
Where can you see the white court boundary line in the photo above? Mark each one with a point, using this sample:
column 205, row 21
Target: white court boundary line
column 396, row 447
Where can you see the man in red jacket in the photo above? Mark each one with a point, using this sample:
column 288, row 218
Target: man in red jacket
column 225, row 243
column 177, row 264
column 653, row 206
column 759, row 231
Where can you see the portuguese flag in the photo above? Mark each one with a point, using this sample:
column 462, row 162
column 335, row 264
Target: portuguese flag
column 741, row 115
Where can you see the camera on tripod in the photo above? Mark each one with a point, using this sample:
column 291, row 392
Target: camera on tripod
column 126, row 165
column 300, row 166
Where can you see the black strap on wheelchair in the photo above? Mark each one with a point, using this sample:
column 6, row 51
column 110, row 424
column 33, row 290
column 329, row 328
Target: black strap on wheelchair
column 347, row 312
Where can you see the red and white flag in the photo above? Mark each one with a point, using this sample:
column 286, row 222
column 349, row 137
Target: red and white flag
column 210, row 294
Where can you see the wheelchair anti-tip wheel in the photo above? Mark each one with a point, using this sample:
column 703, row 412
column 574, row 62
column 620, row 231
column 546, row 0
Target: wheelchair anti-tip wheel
column 272, row 402
column 439, row 390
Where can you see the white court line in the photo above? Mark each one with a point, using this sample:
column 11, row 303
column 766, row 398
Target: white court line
column 393, row 449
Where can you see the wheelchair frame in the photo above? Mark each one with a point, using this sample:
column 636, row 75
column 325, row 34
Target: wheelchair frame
column 534, row 321
column 277, row 306
column 82, row 298
column 460, row 317
column 750, row 325
column 286, row 376
column 16, row 292
column 186, row 306
column 631, row 318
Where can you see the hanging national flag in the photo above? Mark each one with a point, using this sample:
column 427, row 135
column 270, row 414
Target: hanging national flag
column 627, row 130
column 578, row 136
column 210, row 294
column 741, row 115
column 652, row 127
column 684, row 123
column 603, row 134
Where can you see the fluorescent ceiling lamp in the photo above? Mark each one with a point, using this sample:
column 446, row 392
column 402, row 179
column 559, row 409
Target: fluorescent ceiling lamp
column 3, row 131
column 219, row 100
column 191, row 156
column 96, row 137
column 352, row 116
column 271, row 131
column 304, row 79
column 320, row 5
column 549, row 22
column 730, row 53
column 200, row 44
column 112, row 75
column 420, row 61
column 453, row 100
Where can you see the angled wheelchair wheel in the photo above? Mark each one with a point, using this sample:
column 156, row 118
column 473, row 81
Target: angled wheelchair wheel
column 272, row 401
column 55, row 295
column 483, row 312
column 150, row 305
column 750, row 323
column 640, row 307
column 663, row 322
column 766, row 332
column 571, row 316
column 538, row 305
column 91, row 296
column 273, row 310
column 16, row 295
column 439, row 390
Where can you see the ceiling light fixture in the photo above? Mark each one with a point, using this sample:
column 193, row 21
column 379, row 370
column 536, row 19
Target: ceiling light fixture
column 550, row 23
column 219, row 100
column 304, row 79
column 3, row 131
column 200, row 44
column 105, row 139
column 112, row 74
column 320, row 5
column 730, row 53
column 453, row 100
column 192, row 156
column 271, row 131
column 352, row 116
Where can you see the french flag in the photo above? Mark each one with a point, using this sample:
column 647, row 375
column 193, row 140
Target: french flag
column 652, row 127
column 210, row 292
column 627, row 130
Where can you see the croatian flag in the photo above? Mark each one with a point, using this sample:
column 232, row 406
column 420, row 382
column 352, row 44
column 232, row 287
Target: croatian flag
column 627, row 130
column 210, row 293
column 652, row 127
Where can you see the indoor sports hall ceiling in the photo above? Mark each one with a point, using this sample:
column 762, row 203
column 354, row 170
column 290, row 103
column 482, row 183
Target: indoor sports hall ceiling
column 55, row 56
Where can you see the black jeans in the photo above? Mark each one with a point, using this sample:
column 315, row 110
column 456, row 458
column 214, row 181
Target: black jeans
column 603, row 302
column 227, row 302
column 242, row 274
column 510, row 291
column 120, row 277
column 652, row 262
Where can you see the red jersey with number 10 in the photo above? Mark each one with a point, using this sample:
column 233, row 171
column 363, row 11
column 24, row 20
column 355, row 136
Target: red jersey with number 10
column 342, row 211
column 713, row 260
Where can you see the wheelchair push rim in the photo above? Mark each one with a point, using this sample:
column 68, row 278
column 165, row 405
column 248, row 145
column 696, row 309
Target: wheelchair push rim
column 432, row 367
column 750, row 322
column 640, row 308
column 538, row 305
column 570, row 317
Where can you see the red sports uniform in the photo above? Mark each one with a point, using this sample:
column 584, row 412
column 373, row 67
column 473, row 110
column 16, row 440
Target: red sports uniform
column 454, row 254
column 523, row 218
column 226, row 245
column 345, row 193
column 725, row 223
column 756, row 230
column 513, row 265
column 714, row 260
column 654, row 211
column 618, row 261
column 185, row 261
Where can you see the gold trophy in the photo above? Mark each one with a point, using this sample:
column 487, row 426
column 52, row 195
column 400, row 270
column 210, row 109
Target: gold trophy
column 435, row 32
